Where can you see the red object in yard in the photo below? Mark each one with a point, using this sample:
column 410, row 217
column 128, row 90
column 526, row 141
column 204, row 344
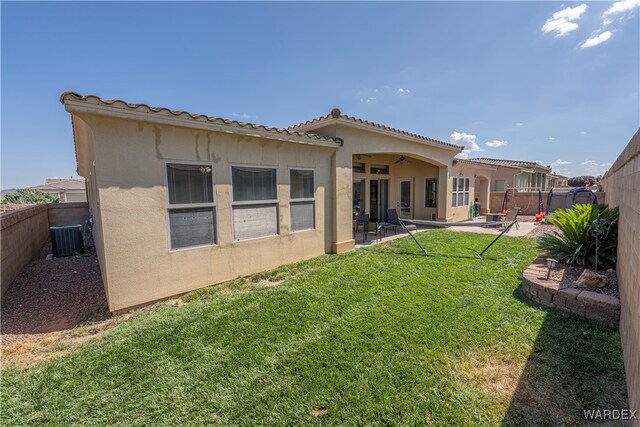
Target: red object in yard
column 540, row 216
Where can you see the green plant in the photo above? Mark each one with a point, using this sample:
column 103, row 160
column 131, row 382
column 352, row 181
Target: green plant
column 575, row 242
column 25, row 196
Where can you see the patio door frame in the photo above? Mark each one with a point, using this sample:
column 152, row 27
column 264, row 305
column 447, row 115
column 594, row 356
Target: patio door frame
column 411, row 199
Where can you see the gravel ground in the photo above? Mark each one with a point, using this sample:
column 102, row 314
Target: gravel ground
column 567, row 275
column 52, row 295
column 540, row 228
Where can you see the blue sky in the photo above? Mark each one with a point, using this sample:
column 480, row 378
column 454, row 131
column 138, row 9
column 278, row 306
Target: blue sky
column 547, row 81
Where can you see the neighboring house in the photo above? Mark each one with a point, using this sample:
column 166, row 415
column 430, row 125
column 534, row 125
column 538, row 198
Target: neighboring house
column 182, row 201
column 66, row 190
column 516, row 174
column 557, row 181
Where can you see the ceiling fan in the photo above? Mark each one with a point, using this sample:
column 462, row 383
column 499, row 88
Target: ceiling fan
column 402, row 159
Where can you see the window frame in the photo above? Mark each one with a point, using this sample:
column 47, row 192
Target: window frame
column 304, row 199
column 376, row 166
column 426, row 189
column 177, row 206
column 455, row 191
column 269, row 202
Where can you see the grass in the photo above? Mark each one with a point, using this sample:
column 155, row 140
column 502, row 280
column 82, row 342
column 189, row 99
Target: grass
column 380, row 336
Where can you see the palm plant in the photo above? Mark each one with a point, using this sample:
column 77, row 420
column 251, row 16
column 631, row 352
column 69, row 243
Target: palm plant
column 576, row 243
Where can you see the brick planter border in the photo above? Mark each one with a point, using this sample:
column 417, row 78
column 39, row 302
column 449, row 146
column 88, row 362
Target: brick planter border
column 601, row 308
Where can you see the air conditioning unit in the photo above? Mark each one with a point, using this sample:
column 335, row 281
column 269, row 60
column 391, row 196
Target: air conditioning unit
column 66, row 240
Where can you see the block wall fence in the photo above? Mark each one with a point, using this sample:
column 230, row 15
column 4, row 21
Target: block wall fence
column 24, row 231
column 622, row 185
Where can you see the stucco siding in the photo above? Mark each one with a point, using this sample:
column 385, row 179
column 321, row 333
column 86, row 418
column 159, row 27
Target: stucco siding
column 130, row 183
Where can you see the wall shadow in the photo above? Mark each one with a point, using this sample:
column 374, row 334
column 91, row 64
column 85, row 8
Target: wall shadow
column 576, row 364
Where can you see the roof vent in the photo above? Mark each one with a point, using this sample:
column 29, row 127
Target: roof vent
column 335, row 113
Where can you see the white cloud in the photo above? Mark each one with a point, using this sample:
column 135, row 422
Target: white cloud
column 401, row 91
column 562, row 22
column 467, row 140
column 496, row 143
column 620, row 7
column 582, row 132
column 519, row 124
column 368, row 100
column 591, row 167
column 595, row 40
column 551, row 138
column 560, row 162
column 243, row 116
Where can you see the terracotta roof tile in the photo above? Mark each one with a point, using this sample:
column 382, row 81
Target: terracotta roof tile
column 93, row 99
column 508, row 163
column 336, row 115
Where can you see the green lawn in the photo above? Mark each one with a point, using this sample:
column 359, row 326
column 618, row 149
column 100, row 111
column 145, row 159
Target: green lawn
column 380, row 336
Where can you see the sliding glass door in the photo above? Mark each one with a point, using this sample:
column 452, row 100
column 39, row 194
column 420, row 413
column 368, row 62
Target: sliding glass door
column 378, row 199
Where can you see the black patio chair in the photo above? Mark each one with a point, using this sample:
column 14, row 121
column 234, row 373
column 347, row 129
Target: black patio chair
column 362, row 220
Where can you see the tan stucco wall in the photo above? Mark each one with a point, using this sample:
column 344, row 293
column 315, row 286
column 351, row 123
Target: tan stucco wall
column 130, row 195
column 414, row 170
column 366, row 141
column 68, row 213
column 622, row 186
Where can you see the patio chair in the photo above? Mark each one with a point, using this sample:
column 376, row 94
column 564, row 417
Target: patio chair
column 362, row 220
column 512, row 216
column 392, row 222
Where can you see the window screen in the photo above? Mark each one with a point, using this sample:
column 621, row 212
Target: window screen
column 302, row 205
column 191, row 184
column 251, row 184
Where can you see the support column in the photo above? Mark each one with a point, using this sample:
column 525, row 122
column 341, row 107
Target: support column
column 484, row 195
column 342, row 174
column 444, row 194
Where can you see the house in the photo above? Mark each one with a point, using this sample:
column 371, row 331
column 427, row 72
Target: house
column 181, row 201
column 516, row 174
column 557, row 181
column 65, row 190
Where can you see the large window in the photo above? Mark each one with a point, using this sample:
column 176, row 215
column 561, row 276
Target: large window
column 301, row 185
column 460, row 192
column 191, row 207
column 431, row 193
column 255, row 202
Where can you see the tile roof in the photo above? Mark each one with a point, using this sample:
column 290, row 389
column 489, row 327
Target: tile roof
column 508, row 163
column 471, row 162
column 93, row 99
column 60, row 184
column 337, row 115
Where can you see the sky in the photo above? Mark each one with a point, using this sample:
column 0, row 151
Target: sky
column 555, row 82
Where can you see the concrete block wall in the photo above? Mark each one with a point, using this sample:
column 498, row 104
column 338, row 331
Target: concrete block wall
column 526, row 201
column 622, row 185
column 68, row 213
column 23, row 233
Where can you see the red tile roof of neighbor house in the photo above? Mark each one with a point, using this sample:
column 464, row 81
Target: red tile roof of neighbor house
column 93, row 99
column 508, row 163
column 336, row 115
column 61, row 184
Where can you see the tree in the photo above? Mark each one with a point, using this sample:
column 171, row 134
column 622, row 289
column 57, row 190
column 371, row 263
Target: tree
column 28, row 197
column 581, row 181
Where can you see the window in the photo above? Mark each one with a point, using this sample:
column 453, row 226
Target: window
column 431, row 193
column 380, row 169
column 358, row 167
column 255, row 202
column 302, row 203
column 460, row 192
column 191, row 208
column 499, row 185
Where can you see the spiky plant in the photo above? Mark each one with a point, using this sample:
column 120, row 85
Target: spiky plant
column 575, row 243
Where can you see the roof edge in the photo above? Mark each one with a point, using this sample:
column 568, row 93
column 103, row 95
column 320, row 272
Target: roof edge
column 94, row 104
column 336, row 117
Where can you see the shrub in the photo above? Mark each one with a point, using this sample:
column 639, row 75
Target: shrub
column 581, row 181
column 28, row 197
column 575, row 243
